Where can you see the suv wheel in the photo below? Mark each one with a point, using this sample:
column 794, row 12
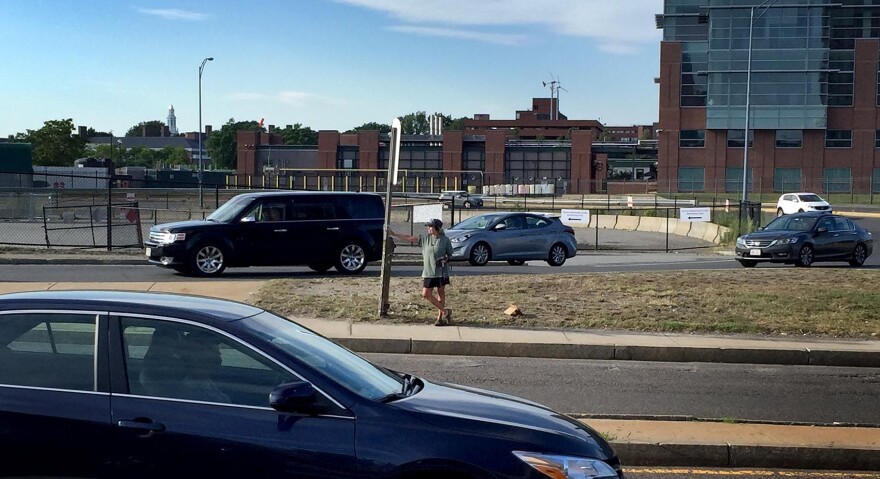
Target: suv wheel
column 468, row 205
column 207, row 260
column 556, row 256
column 859, row 256
column 352, row 259
column 805, row 258
column 779, row 212
column 480, row 254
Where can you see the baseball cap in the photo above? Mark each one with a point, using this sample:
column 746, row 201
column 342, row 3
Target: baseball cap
column 437, row 224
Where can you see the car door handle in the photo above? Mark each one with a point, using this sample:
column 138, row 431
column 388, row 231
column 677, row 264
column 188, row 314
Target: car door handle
column 144, row 425
column 333, row 229
column 280, row 231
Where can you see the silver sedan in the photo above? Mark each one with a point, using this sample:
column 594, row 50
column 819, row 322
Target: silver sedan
column 515, row 237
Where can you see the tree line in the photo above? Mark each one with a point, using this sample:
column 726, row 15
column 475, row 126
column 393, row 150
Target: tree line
column 55, row 145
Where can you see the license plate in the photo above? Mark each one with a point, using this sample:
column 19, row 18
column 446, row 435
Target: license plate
column 149, row 252
column 755, row 252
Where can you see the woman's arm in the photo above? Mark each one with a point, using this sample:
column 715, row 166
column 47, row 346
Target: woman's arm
column 410, row 238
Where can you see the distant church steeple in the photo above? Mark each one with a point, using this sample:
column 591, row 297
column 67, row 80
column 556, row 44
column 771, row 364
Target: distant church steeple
column 172, row 120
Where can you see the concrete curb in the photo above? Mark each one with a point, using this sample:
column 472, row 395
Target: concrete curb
column 794, row 356
column 737, row 456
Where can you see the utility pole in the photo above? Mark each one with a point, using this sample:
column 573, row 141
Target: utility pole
column 387, row 242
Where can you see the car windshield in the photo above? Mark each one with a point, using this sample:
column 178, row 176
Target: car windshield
column 810, row 198
column 230, row 209
column 476, row 222
column 337, row 363
column 791, row 223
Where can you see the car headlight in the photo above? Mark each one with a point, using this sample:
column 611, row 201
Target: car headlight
column 566, row 467
column 167, row 237
column 741, row 241
column 787, row 240
column 459, row 239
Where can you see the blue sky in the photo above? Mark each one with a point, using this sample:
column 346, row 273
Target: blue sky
column 328, row 64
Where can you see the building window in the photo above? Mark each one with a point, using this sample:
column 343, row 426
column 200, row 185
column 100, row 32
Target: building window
column 536, row 165
column 875, row 181
column 692, row 139
column 347, row 158
column 787, row 179
column 877, row 139
column 474, row 162
column 837, row 180
column 789, row 138
column 691, row 179
column 735, row 138
column 733, row 179
column 838, row 138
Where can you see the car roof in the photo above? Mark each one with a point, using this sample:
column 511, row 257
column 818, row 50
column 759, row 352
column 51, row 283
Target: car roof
column 262, row 194
column 130, row 302
column 801, row 193
column 810, row 214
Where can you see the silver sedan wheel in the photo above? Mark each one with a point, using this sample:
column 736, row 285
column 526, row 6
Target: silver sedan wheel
column 480, row 254
column 352, row 259
column 557, row 255
column 209, row 260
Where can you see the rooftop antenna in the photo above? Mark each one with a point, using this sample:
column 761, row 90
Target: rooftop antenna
column 558, row 87
column 553, row 94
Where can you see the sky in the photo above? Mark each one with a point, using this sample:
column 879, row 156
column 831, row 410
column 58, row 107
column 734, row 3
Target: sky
column 326, row 64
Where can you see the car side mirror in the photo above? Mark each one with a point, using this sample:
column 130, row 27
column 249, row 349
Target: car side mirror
column 760, row 228
column 248, row 219
column 297, row 396
column 499, row 227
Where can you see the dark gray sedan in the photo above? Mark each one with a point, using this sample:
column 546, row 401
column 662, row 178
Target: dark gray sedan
column 515, row 237
column 804, row 238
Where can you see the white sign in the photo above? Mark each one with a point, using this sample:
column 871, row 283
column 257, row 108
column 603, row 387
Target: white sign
column 425, row 213
column 394, row 156
column 695, row 214
column 575, row 217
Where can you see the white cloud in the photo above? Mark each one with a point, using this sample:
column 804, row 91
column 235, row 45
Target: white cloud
column 174, row 14
column 499, row 38
column 617, row 25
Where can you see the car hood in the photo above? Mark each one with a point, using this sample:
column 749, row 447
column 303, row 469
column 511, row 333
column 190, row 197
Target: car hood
column 769, row 235
column 476, row 410
column 457, row 233
column 184, row 225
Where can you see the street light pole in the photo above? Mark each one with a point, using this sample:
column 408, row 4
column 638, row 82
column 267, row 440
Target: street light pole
column 201, row 189
column 766, row 4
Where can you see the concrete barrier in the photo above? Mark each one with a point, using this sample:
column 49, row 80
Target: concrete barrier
column 698, row 229
column 604, row 221
column 673, row 223
column 711, row 232
column 628, row 223
column 682, row 228
column 652, row 224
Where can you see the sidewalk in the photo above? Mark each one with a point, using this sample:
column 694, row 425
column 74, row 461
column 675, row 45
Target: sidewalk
column 640, row 441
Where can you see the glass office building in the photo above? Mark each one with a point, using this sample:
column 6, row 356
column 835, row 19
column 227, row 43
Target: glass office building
column 806, row 71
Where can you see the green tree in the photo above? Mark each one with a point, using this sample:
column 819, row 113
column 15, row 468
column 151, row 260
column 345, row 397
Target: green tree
column 91, row 133
column 415, row 123
column 453, row 124
column 298, row 135
column 381, row 127
column 53, row 144
column 174, row 156
column 154, row 128
column 222, row 143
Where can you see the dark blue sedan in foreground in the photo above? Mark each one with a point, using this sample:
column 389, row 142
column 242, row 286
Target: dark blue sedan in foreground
column 121, row 384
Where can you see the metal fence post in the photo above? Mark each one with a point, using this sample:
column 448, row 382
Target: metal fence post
column 667, row 230
column 109, row 212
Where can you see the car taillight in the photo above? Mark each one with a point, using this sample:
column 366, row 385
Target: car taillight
column 568, row 229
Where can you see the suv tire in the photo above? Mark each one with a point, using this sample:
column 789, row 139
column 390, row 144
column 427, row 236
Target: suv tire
column 207, row 259
column 352, row 258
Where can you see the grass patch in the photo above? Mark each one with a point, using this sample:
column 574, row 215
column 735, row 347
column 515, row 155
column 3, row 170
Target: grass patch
column 808, row 302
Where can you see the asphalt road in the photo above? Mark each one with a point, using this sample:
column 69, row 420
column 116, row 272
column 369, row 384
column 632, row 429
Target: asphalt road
column 800, row 394
column 587, row 262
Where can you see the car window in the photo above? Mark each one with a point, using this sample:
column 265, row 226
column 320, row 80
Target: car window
column 337, row 363
column 476, row 222
column 810, row 198
column 826, row 223
column 315, row 208
column 535, row 222
column 843, row 224
column 359, row 207
column 789, row 223
column 514, row 222
column 230, row 209
column 180, row 361
column 50, row 350
column 270, row 212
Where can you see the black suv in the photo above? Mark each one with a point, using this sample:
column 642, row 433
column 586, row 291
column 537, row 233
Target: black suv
column 317, row 229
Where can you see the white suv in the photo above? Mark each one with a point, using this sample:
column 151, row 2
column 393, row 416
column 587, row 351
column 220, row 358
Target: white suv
column 799, row 202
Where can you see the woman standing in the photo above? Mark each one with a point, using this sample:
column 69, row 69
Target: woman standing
column 436, row 251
